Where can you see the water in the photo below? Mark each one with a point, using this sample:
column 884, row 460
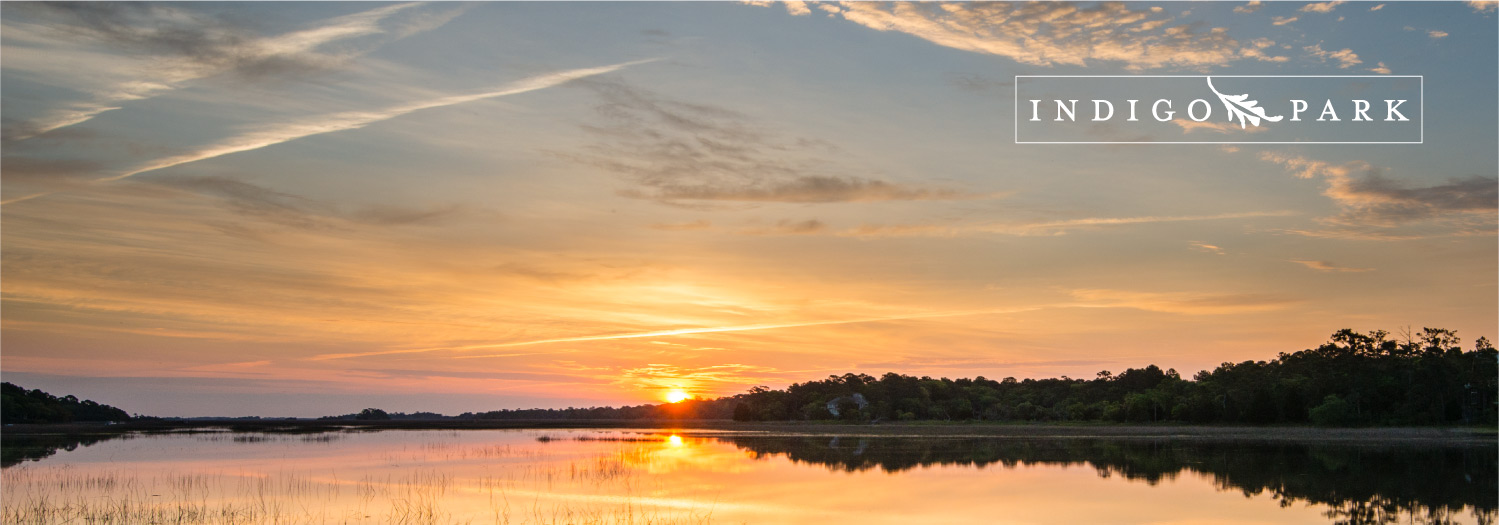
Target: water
column 664, row 477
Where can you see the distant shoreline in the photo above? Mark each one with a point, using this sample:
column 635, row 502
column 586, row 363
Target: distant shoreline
column 1463, row 435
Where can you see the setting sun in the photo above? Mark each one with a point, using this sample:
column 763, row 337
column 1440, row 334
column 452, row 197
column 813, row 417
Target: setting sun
column 676, row 396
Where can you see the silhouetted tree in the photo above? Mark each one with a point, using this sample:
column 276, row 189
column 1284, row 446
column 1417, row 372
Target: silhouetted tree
column 372, row 414
column 18, row 405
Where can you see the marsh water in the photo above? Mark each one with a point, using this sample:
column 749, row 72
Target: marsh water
column 664, row 477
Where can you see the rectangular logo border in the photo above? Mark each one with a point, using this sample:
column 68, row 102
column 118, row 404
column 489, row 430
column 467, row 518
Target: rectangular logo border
column 1422, row 94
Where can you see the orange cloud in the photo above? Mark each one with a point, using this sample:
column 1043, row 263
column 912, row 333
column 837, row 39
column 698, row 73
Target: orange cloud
column 1189, row 303
column 1048, row 34
column 1324, row 266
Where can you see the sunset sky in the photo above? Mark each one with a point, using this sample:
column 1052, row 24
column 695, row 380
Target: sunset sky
column 308, row 209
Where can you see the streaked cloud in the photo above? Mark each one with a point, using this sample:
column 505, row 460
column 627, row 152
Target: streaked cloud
column 1250, row 7
column 1056, row 227
column 1436, row 34
column 284, row 132
column 804, row 189
column 695, row 155
column 1188, row 126
column 656, row 334
column 239, row 368
column 180, row 46
column 1205, row 247
column 1047, row 34
column 1324, row 266
column 1371, row 199
column 299, row 212
column 1042, row 228
column 788, row 227
column 1187, row 303
column 700, row 224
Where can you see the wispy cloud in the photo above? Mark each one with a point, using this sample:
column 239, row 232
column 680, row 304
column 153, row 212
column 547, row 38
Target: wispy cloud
column 1256, row 50
column 299, row 212
column 788, row 227
column 1061, row 227
column 1324, row 266
column 1321, row 7
column 284, row 132
column 700, row 224
column 240, row 368
column 692, row 331
column 1046, row 33
column 693, row 155
column 1250, row 7
column 1188, row 126
column 1345, row 58
column 1205, row 247
column 1370, row 199
column 1189, row 303
column 182, row 46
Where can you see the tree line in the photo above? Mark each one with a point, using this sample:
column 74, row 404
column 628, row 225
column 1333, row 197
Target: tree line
column 1353, row 379
column 18, row 405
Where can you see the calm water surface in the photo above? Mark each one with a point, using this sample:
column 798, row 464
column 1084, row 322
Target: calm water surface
column 653, row 476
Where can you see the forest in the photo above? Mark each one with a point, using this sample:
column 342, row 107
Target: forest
column 18, row 405
column 1354, row 379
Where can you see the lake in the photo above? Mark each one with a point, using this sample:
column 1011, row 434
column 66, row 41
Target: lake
column 655, row 476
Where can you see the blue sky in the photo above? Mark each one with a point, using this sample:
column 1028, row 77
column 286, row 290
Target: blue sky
column 213, row 208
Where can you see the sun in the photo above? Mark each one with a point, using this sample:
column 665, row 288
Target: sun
column 676, row 396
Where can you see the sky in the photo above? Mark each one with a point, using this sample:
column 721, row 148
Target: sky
column 308, row 209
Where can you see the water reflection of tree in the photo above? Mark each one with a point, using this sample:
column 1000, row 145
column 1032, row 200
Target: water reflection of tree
column 20, row 448
column 1382, row 511
column 1358, row 484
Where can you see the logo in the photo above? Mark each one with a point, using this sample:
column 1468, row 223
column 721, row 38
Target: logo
column 1219, row 109
column 1246, row 110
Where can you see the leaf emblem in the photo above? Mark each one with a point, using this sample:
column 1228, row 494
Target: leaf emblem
column 1248, row 111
